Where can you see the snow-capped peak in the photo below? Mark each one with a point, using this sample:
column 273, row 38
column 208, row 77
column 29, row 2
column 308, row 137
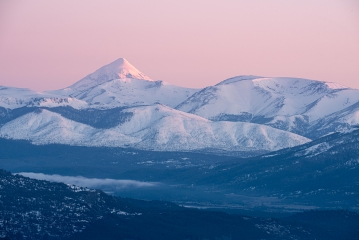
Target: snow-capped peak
column 122, row 69
column 118, row 69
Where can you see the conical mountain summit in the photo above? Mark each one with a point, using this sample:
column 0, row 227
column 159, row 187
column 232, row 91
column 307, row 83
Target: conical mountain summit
column 118, row 69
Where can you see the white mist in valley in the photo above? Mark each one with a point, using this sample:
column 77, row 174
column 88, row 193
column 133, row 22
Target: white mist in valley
column 96, row 183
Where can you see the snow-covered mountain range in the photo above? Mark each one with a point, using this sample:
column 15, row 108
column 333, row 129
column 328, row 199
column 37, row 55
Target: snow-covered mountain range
column 245, row 113
column 154, row 127
column 290, row 104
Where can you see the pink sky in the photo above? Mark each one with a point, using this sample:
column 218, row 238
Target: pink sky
column 51, row 44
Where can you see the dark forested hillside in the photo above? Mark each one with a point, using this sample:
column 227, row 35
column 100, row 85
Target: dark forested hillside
column 34, row 209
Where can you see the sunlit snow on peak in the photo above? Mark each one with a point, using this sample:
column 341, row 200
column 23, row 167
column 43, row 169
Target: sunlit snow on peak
column 118, row 69
column 124, row 69
column 335, row 85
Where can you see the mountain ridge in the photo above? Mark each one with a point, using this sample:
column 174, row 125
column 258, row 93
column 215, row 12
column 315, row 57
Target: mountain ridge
column 155, row 127
column 290, row 104
column 304, row 107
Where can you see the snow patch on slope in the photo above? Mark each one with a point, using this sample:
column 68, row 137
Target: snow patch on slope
column 314, row 150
